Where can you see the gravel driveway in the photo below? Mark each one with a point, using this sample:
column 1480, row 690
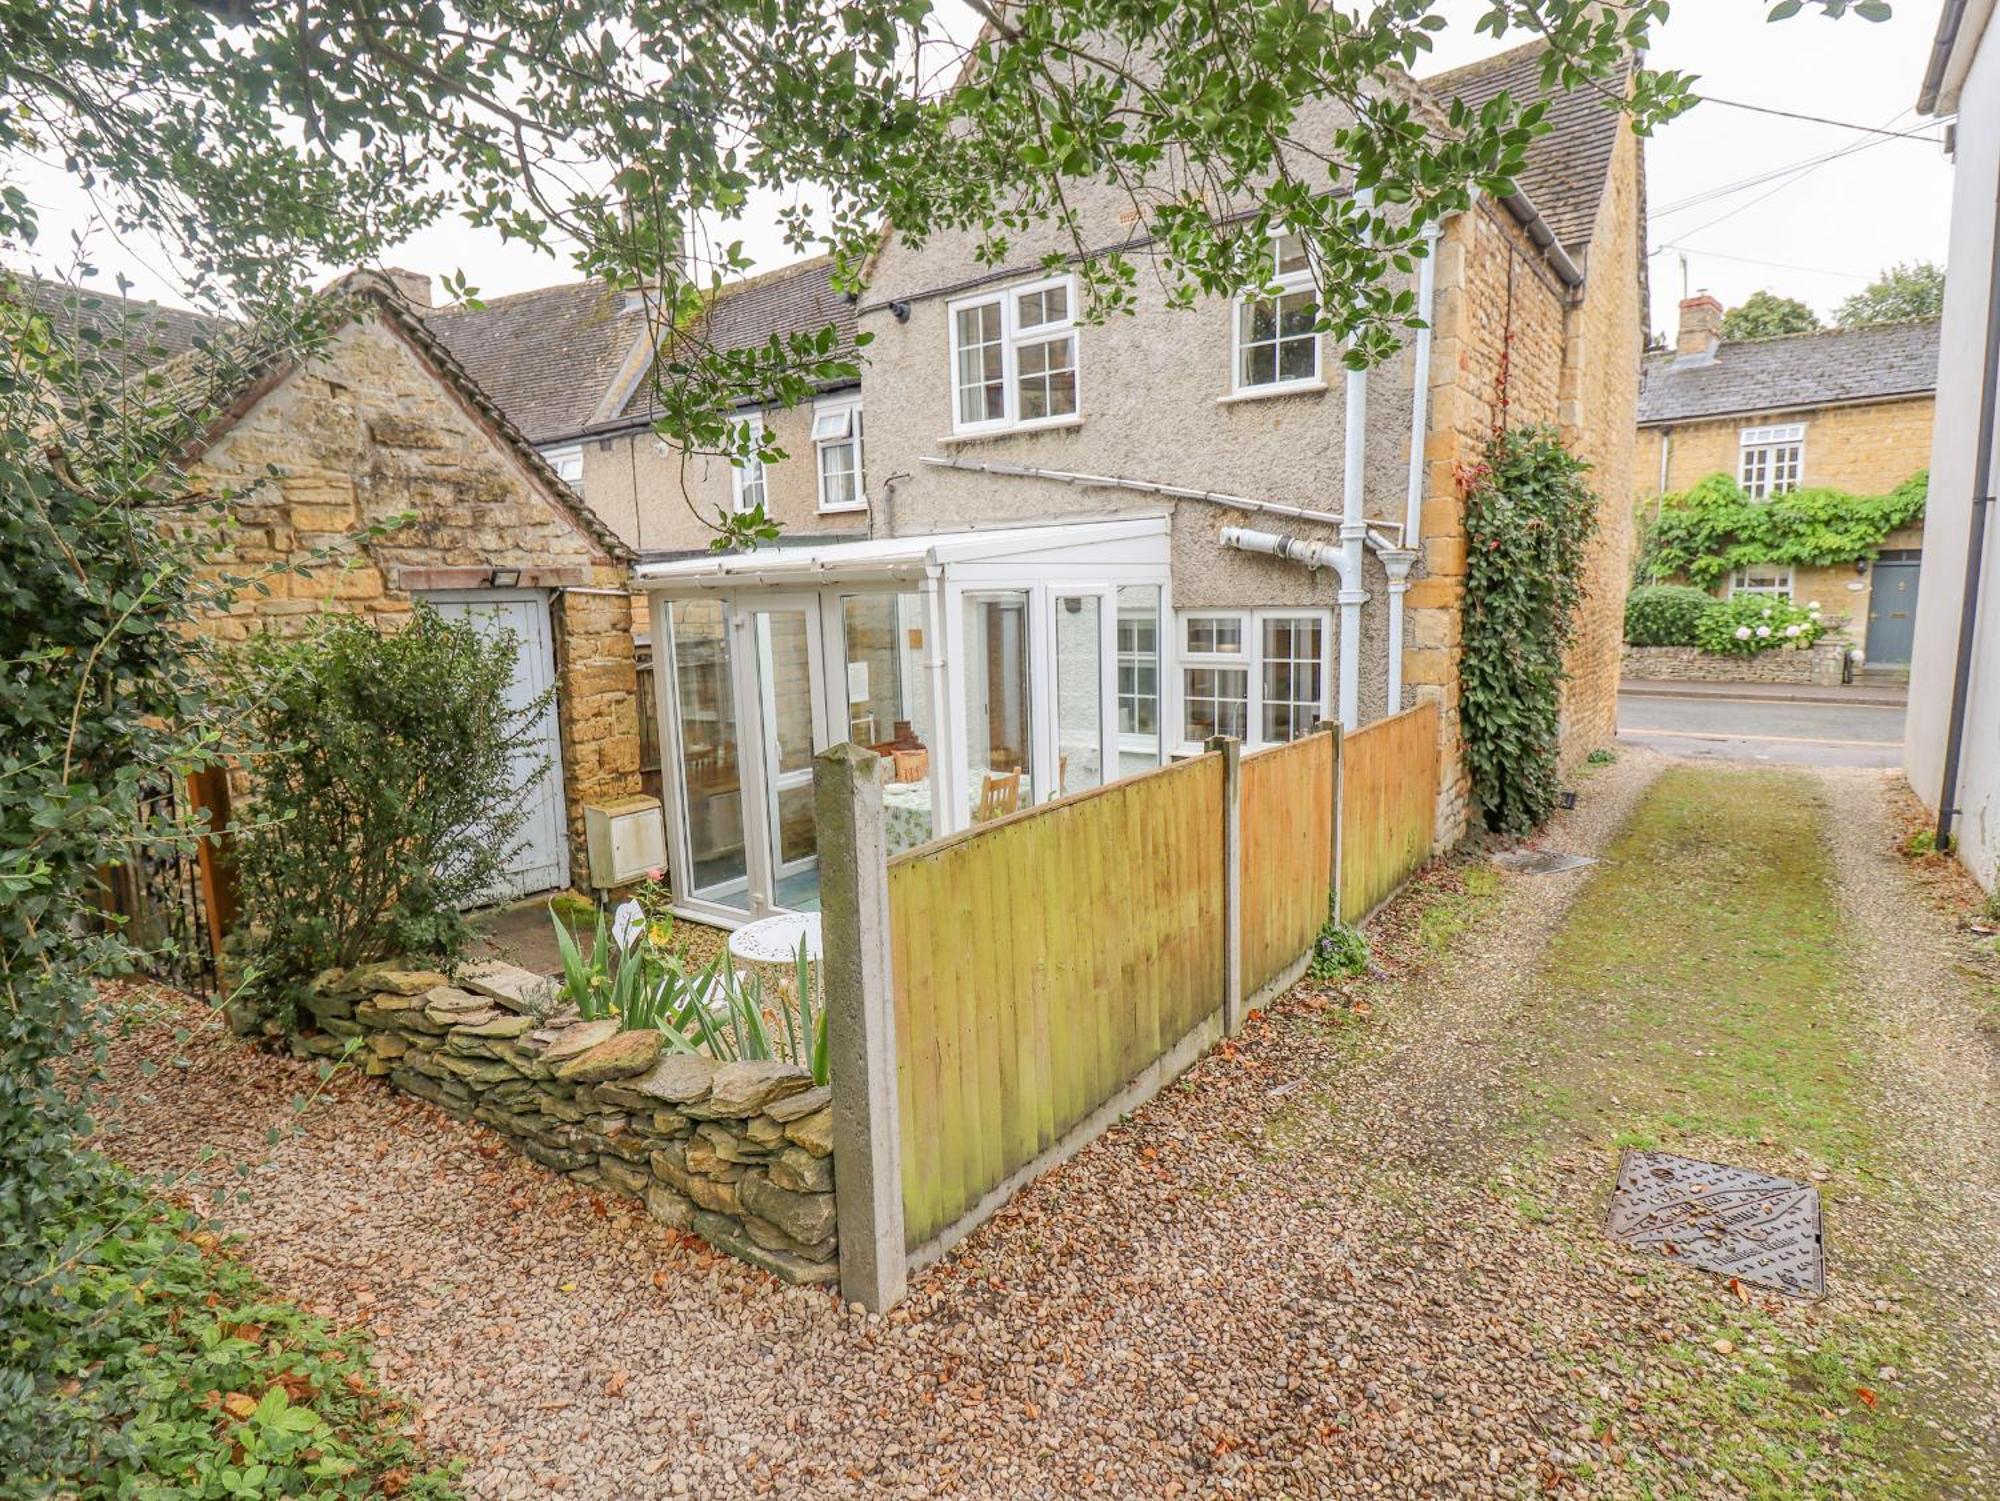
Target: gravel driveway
column 1311, row 1269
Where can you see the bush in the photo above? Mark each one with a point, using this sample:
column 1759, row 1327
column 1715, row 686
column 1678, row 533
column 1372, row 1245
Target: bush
column 1753, row 623
column 1705, row 531
column 387, row 795
column 1528, row 518
column 1664, row 614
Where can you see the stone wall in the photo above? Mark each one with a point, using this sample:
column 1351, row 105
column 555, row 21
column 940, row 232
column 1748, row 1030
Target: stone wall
column 1818, row 665
column 738, row 1153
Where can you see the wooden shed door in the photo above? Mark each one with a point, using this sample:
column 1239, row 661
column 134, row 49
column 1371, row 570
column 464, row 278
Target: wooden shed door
column 542, row 861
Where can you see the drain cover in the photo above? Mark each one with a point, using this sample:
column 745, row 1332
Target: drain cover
column 1540, row 862
column 1722, row 1219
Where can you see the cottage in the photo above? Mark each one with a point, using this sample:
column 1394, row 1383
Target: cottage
column 1845, row 408
column 382, row 422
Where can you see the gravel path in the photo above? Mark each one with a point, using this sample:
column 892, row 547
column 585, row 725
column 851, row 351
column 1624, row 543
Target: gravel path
column 1305, row 1271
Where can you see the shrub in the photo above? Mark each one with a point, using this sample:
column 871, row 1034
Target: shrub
column 1664, row 614
column 1528, row 518
column 386, row 795
column 1705, row 531
column 1753, row 623
column 1339, row 952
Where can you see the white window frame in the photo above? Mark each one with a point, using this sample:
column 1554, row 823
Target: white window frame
column 1778, row 455
column 1137, row 741
column 741, row 471
column 1251, row 659
column 1013, row 339
column 1771, row 588
column 1288, row 283
column 567, row 461
column 834, row 424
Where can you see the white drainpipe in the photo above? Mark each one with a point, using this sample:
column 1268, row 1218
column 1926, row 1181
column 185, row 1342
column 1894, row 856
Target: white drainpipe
column 1398, row 561
column 1353, row 536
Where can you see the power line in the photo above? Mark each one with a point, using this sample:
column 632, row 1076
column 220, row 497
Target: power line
column 1751, row 260
column 1803, row 165
column 1786, row 114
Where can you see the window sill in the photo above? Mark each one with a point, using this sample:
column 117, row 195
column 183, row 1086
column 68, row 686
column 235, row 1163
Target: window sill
column 849, row 510
column 1270, row 393
column 1057, row 424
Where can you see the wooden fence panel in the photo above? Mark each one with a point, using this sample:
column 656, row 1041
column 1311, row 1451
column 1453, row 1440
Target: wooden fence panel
column 1040, row 964
column 1287, row 821
column 1388, row 796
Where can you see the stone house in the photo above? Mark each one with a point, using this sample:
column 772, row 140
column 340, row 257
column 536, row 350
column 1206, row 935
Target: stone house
column 1064, row 546
column 1848, row 408
column 382, row 422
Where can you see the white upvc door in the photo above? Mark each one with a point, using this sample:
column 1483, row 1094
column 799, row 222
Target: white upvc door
column 782, row 672
column 540, row 862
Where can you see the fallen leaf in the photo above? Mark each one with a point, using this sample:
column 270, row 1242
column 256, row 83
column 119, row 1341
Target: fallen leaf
column 239, row 1404
column 1742, row 1292
column 615, row 1387
column 1865, row 1395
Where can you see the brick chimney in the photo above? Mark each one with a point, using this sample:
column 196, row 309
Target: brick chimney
column 414, row 285
column 1701, row 326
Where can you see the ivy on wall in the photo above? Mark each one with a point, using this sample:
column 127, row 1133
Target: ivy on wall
column 1529, row 516
column 1704, row 532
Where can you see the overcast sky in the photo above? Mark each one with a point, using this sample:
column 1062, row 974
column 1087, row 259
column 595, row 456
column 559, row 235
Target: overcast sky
column 1818, row 234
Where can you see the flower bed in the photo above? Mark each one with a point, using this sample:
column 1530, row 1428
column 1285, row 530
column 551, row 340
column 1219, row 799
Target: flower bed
column 738, row 1152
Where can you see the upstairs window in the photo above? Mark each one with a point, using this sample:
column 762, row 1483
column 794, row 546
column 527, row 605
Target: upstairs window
column 1773, row 460
column 568, row 464
column 1014, row 357
column 836, row 435
column 748, row 474
column 1276, row 343
column 1765, row 578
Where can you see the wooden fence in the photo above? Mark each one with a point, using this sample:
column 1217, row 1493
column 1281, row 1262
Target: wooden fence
column 1287, row 823
column 998, row 997
column 1039, row 964
column 1388, row 804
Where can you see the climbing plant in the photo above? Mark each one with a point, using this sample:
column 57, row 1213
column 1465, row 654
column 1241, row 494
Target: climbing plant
column 1704, row 532
column 1529, row 517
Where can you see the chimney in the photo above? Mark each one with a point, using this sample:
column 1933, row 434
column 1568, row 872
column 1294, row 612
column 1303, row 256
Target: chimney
column 1701, row 326
column 414, row 285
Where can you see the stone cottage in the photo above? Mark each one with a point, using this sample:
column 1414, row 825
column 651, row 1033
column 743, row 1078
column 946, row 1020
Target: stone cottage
column 383, row 421
column 1848, row 408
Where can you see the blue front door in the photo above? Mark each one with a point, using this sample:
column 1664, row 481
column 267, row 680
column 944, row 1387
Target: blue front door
column 1892, row 611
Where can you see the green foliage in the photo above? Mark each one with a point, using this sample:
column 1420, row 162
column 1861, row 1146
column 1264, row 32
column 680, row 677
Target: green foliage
column 1664, row 614
column 1705, row 532
column 1529, row 517
column 183, row 1377
column 1602, row 756
column 633, row 974
column 1901, row 294
column 1765, row 315
column 1339, row 952
column 388, row 788
column 1753, row 623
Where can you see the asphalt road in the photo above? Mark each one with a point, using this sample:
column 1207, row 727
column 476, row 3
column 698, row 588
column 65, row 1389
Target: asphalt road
column 1764, row 730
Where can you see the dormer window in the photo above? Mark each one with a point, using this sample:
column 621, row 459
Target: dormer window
column 1014, row 357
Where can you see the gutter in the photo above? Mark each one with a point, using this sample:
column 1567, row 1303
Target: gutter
column 1530, row 218
column 1951, row 21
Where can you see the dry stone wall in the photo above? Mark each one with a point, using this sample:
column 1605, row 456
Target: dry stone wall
column 1818, row 665
column 740, row 1154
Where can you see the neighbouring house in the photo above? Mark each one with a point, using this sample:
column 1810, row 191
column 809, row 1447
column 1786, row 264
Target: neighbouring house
column 382, row 422
column 1845, row 408
column 1079, row 549
column 1951, row 741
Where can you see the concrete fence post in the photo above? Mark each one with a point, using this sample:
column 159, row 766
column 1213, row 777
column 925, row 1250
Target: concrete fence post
column 1339, row 821
column 860, row 1026
column 1232, row 880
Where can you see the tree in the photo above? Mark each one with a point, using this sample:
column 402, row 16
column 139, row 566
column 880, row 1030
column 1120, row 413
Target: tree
column 1765, row 315
column 1901, row 294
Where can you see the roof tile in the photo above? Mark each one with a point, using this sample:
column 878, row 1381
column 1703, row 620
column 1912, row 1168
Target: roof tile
column 1797, row 370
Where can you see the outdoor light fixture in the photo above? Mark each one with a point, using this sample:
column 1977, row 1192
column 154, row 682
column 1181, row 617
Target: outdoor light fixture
column 504, row 578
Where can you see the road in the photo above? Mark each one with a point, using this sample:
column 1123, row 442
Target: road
column 1772, row 731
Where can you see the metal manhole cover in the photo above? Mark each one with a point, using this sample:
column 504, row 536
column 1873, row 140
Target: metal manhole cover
column 1727, row 1220
column 1540, row 862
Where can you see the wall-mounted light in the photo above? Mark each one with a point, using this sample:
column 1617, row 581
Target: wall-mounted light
column 504, row 578
column 901, row 309
column 1860, row 565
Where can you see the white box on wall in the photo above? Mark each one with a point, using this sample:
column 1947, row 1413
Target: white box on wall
column 625, row 838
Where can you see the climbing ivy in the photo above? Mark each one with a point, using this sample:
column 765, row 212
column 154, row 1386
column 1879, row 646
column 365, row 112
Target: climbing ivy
column 1529, row 516
column 1705, row 532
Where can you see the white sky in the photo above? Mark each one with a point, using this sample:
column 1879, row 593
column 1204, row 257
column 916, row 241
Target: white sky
column 1817, row 235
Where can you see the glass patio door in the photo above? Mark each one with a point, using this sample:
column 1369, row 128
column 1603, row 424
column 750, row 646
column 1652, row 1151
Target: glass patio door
column 792, row 710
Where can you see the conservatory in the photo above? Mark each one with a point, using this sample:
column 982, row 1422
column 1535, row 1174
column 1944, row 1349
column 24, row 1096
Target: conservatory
column 993, row 669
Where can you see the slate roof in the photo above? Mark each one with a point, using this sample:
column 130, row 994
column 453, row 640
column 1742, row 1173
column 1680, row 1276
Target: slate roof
column 1569, row 166
column 547, row 357
column 792, row 299
column 152, row 331
column 1798, row 370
